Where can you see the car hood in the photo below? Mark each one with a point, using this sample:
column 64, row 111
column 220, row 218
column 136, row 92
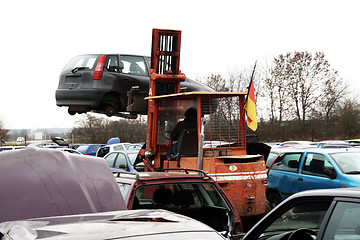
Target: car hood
column 38, row 182
column 107, row 225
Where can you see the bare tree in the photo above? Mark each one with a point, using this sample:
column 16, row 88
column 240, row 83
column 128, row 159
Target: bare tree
column 349, row 118
column 216, row 82
column 98, row 129
column 91, row 129
column 306, row 80
column 276, row 87
column 3, row 132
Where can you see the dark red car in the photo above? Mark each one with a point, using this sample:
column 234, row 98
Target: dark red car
column 192, row 195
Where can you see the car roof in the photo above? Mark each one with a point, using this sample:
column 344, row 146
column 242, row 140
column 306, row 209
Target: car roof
column 176, row 176
column 315, row 150
column 125, row 151
column 109, row 225
column 353, row 192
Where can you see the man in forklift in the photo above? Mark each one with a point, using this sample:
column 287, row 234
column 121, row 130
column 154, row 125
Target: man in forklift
column 188, row 123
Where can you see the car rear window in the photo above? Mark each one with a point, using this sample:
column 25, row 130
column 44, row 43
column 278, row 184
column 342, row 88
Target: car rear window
column 288, row 162
column 82, row 61
column 82, row 148
column 119, row 147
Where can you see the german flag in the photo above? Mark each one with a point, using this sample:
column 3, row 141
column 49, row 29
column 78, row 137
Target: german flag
column 250, row 107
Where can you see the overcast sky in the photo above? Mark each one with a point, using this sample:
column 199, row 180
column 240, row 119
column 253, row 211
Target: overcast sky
column 38, row 38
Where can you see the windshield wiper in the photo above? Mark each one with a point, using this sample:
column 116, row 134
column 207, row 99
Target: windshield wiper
column 353, row 172
column 78, row 68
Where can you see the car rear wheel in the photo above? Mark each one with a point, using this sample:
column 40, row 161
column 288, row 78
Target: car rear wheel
column 72, row 113
column 110, row 110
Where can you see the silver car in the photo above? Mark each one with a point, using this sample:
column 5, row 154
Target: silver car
column 129, row 224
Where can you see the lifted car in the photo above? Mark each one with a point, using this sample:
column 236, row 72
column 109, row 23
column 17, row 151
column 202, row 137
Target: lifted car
column 192, row 195
column 110, row 83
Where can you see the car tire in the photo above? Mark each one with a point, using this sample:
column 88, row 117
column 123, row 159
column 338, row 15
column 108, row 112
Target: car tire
column 274, row 199
column 109, row 111
column 72, row 113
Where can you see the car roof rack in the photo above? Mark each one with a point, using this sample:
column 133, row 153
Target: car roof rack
column 119, row 173
column 186, row 170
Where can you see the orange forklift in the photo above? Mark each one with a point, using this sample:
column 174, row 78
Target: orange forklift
column 217, row 145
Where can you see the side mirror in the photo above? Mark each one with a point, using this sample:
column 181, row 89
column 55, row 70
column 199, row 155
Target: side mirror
column 123, row 166
column 331, row 173
column 140, row 167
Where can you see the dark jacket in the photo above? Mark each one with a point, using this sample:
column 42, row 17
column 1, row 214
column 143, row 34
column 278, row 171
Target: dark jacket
column 187, row 123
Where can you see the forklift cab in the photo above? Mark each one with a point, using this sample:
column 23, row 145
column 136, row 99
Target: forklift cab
column 219, row 121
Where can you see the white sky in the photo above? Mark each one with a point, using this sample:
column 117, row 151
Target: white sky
column 39, row 37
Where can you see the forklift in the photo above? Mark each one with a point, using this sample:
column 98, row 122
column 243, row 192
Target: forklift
column 218, row 143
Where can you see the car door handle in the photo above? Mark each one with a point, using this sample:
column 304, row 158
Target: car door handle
column 300, row 179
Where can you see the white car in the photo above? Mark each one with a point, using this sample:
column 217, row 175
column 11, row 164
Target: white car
column 102, row 151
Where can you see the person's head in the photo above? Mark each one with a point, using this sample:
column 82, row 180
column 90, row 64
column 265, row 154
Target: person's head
column 191, row 113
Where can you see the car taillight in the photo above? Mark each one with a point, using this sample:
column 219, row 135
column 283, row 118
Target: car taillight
column 99, row 69
column 85, row 154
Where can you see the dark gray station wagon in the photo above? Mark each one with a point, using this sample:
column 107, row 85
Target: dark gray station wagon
column 110, row 83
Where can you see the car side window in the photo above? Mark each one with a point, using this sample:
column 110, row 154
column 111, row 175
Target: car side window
column 112, row 63
column 317, row 164
column 134, row 65
column 110, row 159
column 344, row 222
column 121, row 162
column 270, row 159
column 103, row 151
column 288, row 162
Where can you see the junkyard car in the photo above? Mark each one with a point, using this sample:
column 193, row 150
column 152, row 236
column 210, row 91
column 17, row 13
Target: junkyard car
column 124, row 160
column 130, row 224
column 110, row 83
column 40, row 182
column 314, row 168
column 102, row 151
column 89, row 149
column 320, row 214
column 196, row 196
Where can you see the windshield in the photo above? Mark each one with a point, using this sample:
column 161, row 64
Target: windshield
column 132, row 157
column 82, row 62
column 82, row 148
column 348, row 162
column 303, row 215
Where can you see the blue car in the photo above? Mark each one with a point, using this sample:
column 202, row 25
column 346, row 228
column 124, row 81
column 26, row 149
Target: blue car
column 297, row 170
column 89, row 149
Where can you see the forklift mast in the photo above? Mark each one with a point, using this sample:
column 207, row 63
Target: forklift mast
column 165, row 75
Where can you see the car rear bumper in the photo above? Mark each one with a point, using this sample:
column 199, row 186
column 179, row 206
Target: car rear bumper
column 82, row 97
